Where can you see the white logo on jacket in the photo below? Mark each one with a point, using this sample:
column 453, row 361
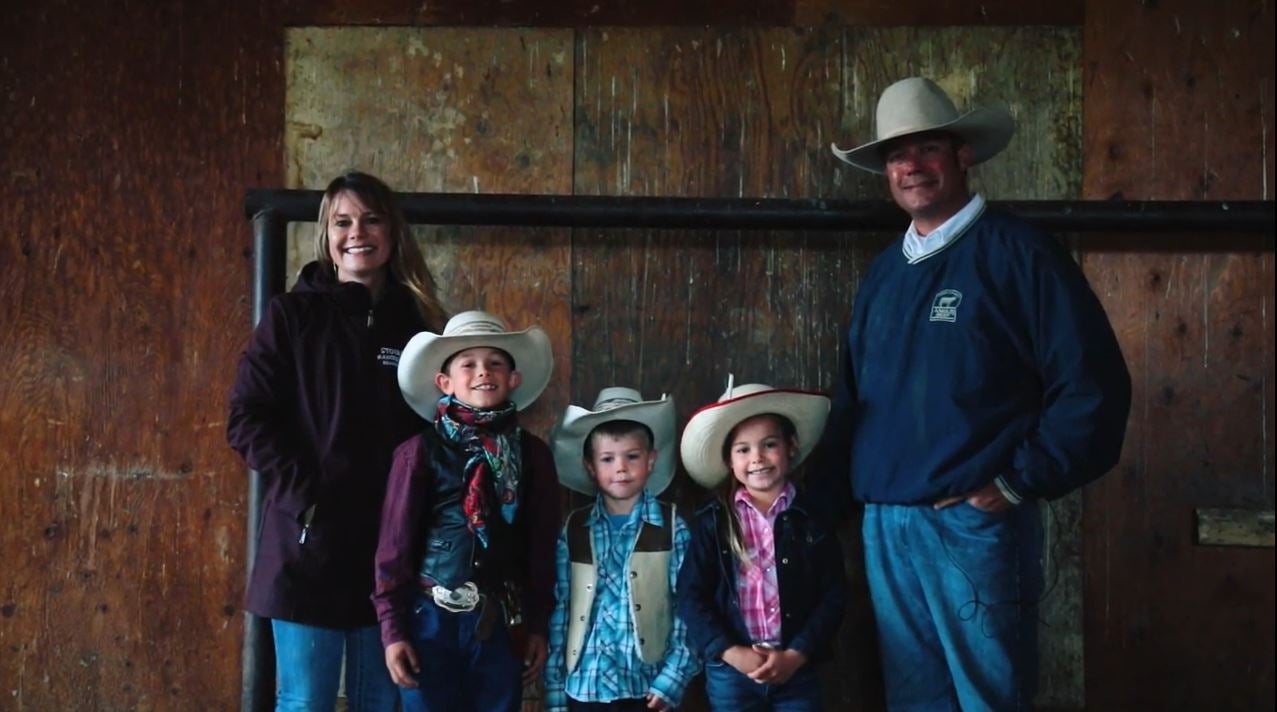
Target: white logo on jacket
column 388, row 357
column 945, row 306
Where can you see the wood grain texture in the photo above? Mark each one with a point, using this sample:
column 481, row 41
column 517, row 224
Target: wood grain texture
column 1179, row 106
column 123, row 306
column 449, row 110
column 1235, row 527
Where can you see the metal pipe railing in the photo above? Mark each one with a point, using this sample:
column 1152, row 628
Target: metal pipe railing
column 257, row 688
column 1246, row 216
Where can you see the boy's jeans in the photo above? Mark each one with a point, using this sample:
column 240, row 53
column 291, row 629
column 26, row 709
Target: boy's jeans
column 955, row 595
column 459, row 672
column 731, row 691
column 308, row 668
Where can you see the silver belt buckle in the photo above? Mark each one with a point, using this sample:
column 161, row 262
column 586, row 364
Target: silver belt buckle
column 458, row 600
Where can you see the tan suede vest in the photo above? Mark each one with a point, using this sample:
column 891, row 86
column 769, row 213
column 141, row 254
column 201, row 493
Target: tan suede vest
column 647, row 584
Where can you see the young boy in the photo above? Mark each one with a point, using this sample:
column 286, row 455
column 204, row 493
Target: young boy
column 467, row 528
column 615, row 642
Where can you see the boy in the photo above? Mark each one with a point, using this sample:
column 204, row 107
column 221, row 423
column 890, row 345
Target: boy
column 467, row 527
column 615, row 642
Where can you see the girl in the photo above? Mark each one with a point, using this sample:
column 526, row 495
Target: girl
column 761, row 589
column 316, row 409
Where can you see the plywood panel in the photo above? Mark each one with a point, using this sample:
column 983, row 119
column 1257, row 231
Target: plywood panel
column 751, row 113
column 449, row 110
column 122, row 310
column 1179, row 106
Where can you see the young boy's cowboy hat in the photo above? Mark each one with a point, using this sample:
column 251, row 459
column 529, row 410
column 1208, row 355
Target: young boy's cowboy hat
column 426, row 353
column 614, row 403
column 703, row 438
column 916, row 105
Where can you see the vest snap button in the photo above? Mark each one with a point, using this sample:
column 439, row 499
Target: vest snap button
column 784, row 561
column 638, row 607
column 633, row 574
column 642, row 641
column 582, row 618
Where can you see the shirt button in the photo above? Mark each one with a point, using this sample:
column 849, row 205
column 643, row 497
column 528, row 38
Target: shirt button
column 589, row 587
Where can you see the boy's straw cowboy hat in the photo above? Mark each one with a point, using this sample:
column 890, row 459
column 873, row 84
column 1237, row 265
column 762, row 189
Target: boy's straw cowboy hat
column 614, row 403
column 426, row 353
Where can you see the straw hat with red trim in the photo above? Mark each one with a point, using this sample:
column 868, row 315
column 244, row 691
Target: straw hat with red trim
column 703, row 438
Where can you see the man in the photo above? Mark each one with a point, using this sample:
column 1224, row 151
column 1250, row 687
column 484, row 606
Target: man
column 980, row 375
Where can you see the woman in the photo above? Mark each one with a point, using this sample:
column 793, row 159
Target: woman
column 317, row 410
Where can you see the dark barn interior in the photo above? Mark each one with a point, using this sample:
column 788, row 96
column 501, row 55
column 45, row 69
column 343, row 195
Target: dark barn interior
column 133, row 132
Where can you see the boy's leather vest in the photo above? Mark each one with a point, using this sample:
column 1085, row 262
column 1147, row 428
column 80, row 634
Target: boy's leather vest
column 646, row 578
column 453, row 555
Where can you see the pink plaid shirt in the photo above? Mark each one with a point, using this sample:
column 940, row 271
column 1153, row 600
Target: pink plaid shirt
column 756, row 586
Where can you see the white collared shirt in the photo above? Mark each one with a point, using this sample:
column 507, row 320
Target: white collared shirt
column 919, row 247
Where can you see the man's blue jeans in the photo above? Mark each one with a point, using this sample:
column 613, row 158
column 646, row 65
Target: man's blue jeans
column 731, row 691
column 308, row 668
column 955, row 595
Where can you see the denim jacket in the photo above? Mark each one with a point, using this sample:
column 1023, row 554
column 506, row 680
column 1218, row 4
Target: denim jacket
column 810, row 576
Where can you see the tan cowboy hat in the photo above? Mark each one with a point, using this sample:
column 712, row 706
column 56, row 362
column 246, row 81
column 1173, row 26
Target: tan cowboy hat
column 703, row 438
column 916, row 105
column 426, row 352
column 615, row 403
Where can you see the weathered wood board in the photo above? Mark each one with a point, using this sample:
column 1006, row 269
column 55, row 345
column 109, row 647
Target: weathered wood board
column 1179, row 106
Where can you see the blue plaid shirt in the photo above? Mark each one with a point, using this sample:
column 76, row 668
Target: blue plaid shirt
column 609, row 667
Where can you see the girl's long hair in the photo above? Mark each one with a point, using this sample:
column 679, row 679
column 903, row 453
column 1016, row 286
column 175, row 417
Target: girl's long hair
column 726, row 492
column 406, row 265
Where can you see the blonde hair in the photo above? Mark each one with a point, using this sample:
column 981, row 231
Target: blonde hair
column 406, row 265
column 726, row 492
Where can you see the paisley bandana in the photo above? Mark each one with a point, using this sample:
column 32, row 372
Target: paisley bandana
column 491, row 440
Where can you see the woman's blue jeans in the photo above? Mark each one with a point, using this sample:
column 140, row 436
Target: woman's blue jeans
column 308, row 668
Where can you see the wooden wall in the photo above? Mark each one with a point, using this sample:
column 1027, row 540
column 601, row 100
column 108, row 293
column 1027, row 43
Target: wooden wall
column 1179, row 106
column 130, row 137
